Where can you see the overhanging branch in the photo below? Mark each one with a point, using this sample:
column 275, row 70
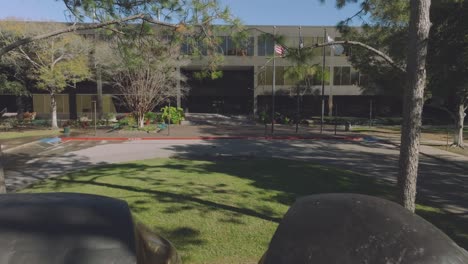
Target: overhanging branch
column 75, row 28
column 362, row 45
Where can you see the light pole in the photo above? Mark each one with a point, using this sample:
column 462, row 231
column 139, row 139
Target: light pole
column 95, row 118
column 273, row 86
column 323, row 81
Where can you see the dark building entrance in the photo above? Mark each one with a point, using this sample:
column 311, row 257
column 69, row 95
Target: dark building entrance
column 230, row 94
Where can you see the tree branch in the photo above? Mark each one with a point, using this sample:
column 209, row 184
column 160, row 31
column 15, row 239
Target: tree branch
column 362, row 45
column 74, row 28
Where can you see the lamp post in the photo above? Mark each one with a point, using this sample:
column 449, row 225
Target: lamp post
column 273, row 86
column 323, row 81
column 95, row 118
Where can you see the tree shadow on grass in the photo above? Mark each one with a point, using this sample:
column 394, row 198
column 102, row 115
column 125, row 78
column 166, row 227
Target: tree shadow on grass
column 439, row 184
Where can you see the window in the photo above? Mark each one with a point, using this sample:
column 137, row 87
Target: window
column 41, row 103
column 228, row 47
column 265, row 45
column 244, row 48
column 354, row 77
column 337, row 75
column 345, row 75
column 342, row 75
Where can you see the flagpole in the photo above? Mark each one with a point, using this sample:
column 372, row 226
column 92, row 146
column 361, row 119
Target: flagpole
column 323, row 81
column 298, row 114
column 274, row 82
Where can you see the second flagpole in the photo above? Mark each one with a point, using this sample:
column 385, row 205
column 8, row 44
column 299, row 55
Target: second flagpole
column 323, row 81
column 274, row 81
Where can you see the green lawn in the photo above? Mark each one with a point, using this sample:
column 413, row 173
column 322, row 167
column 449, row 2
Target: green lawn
column 28, row 133
column 224, row 210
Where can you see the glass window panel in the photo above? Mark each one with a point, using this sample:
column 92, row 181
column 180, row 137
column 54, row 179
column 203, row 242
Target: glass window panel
column 336, row 75
column 354, row 77
column 231, row 47
column 345, row 75
column 265, row 45
column 261, row 50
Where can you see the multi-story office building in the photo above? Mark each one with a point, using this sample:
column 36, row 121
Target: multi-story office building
column 246, row 86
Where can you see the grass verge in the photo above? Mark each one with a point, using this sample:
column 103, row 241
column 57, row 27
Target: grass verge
column 223, row 210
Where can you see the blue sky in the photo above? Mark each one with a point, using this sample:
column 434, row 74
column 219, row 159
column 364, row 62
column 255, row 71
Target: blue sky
column 251, row 12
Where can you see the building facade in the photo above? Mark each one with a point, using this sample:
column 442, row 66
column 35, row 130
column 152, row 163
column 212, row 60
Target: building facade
column 247, row 81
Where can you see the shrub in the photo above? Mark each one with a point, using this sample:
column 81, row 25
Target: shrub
column 129, row 120
column 108, row 117
column 151, row 116
column 175, row 113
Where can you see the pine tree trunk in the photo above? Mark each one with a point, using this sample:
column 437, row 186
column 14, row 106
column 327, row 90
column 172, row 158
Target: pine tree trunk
column 413, row 102
column 53, row 109
column 2, row 174
column 458, row 140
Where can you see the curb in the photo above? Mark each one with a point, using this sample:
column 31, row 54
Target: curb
column 351, row 138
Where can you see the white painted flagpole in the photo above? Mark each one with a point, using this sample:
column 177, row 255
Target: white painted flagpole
column 323, row 80
column 274, row 83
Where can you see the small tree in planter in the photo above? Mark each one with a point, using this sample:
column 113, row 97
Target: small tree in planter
column 148, row 74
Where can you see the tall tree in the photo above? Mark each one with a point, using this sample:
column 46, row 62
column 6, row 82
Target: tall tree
column 448, row 60
column 303, row 73
column 418, row 35
column 413, row 101
column 56, row 62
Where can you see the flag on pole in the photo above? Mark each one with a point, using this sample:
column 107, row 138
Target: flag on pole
column 280, row 50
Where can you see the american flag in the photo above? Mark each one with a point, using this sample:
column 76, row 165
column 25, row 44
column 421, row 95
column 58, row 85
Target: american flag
column 280, row 50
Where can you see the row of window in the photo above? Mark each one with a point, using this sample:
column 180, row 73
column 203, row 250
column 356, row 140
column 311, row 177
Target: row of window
column 84, row 105
column 228, row 47
column 344, row 75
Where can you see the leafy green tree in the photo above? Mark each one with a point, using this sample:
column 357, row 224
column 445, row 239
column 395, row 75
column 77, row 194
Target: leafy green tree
column 388, row 15
column 303, row 73
column 448, row 61
column 56, row 62
column 147, row 75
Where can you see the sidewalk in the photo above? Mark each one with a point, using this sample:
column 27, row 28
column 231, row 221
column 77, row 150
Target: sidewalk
column 16, row 143
column 427, row 148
